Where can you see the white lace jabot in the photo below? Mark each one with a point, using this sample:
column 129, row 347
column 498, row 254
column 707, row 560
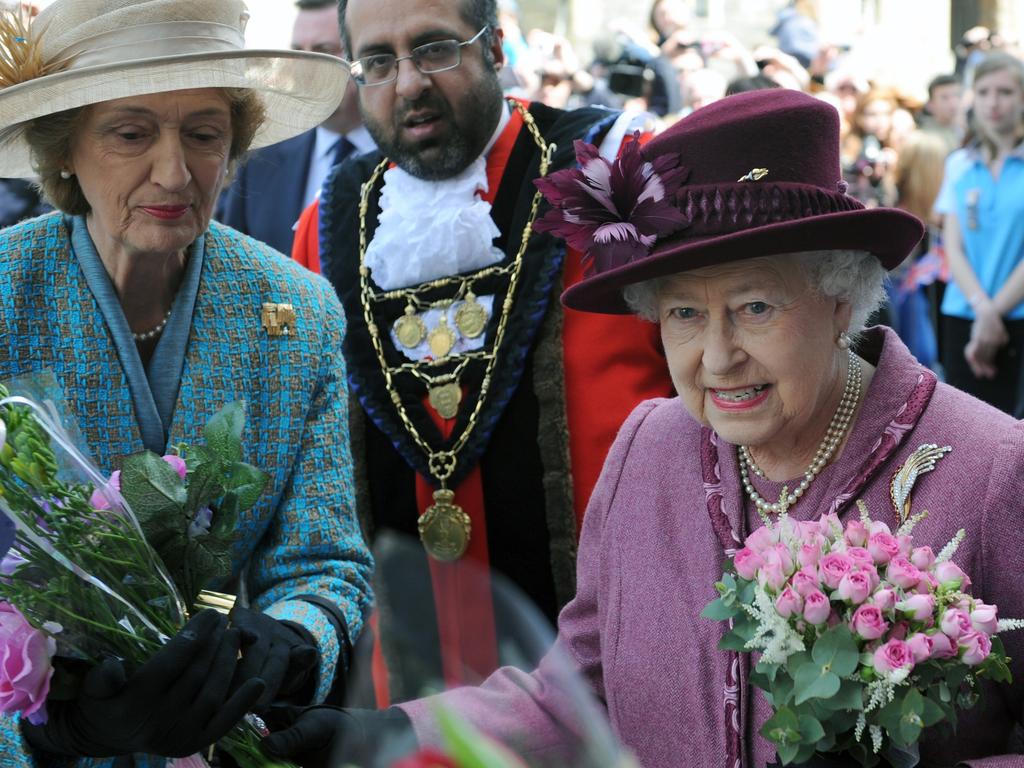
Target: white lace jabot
column 432, row 229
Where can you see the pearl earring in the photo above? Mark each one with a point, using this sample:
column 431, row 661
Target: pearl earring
column 65, row 174
column 843, row 342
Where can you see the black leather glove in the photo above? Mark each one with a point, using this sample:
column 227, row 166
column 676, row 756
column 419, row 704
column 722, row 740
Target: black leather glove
column 281, row 654
column 326, row 737
column 176, row 704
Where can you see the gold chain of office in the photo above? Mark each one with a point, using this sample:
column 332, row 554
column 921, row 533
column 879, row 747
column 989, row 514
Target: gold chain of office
column 444, row 527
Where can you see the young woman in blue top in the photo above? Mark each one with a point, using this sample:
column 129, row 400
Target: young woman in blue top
column 983, row 204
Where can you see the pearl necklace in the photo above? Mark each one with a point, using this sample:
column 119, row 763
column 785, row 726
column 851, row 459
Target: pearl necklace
column 153, row 332
column 837, row 430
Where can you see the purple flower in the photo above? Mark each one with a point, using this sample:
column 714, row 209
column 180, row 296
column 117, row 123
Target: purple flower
column 200, row 525
column 613, row 212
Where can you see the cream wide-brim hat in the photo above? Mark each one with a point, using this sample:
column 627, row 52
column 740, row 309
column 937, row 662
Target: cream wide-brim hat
column 114, row 49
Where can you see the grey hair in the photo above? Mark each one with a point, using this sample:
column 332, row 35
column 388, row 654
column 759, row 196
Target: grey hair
column 855, row 277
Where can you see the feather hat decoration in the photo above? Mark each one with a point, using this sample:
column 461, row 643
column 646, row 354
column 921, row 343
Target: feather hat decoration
column 20, row 56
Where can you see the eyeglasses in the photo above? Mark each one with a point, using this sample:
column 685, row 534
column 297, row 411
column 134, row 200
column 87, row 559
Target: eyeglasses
column 429, row 58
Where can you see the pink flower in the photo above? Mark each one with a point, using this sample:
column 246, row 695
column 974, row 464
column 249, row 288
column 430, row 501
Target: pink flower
column 833, row 567
column 918, row 607
column 762, row 539
column 975, row 647
column 892, row 656
column 780, row 553
column 983, row 618
column 883, row 547
column 906, row 545
column 788, row 603
column 816, row 607
column 942, row 646
column 747, row 562
column 804, row 582
column 856, row 535
column 861, row 557
column 771, row 576
column 884, row 599
column 955, row 622
column 868, row 622
column 855, row 587
column 25, row 665
column 613, row 212
column 177, row 464
column 831, row 528
column 99, row 499
column 921, row 646
column 950, row 576
column 922, row 557
column 809, row 555
column 902, row 573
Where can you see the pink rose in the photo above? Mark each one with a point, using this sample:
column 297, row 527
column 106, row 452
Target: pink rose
column 883, row 547
column 816, row 607
column 177, row 464
column 833, row 567
column 780, row 554
column 950, row 576
column 892, row 656
column 983, row 618
column 804, row 582
column 762, row 539
column 975, row 647
column 917, row 607
column 861, row 557
column 902, row 573
column 25, row 667
column 906, row 545
column 955, row 622
column 856, row 534
column 831, row 528
column 922, row 557
column 942, row 646
column 747, row 563
column 810, row 533
column 855, row 587
column 771, row 575
column 884, row 599
column 788, row 603
column 868, row 622
column 809, row 555
column 921, row 646
column 99, row 499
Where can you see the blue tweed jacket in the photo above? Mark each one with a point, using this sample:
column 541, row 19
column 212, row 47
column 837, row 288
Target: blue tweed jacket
column 302, row 537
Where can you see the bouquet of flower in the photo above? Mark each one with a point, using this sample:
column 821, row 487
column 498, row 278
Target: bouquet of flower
column 865, row 638
column 82, row 579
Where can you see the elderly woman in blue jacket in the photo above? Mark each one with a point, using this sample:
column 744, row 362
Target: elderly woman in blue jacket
column 132, row 114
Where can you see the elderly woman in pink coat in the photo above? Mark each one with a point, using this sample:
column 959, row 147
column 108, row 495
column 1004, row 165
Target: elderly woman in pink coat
column 761, row 273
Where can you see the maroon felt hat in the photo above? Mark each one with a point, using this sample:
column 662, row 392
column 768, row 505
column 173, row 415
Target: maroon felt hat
column 755, row 174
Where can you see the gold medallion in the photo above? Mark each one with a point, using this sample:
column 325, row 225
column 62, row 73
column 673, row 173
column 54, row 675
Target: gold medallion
column 409, row 328
column 441, row 339
column 445, row 399
column 471, row 318
column 444, row 528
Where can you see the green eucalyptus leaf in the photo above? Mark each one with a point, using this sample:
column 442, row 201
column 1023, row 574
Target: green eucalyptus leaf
column 813, row 682
column 804, row 753
column 783, row 729
column 787, row 753
column 223, row 432
column 837, row 650
column 810, row 730
column 717, row 610
column 932, row 713
column 850, row 696
column 731, row 641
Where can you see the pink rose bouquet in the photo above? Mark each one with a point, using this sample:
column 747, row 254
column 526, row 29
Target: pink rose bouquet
column 98, row 567
column 865, row 638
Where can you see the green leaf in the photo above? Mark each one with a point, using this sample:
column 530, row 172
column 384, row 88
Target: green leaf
column 223, row 432
column 804, row 753
column 731, row 641
column 150, row 486
column 204, row 483
column 849, row 697
column 787, row 753
column 716, row 610
column 783, row 728
column 814, row 682
column 837, row 651
column 810, row 730
column 913, row 703
column 468, row 747
column 932, row 713
column 246, row 482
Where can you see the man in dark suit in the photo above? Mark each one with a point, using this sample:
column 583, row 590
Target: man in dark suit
column 278, row 182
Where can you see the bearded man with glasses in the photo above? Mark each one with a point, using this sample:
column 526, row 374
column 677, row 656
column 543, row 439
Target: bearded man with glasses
column 485, row 408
